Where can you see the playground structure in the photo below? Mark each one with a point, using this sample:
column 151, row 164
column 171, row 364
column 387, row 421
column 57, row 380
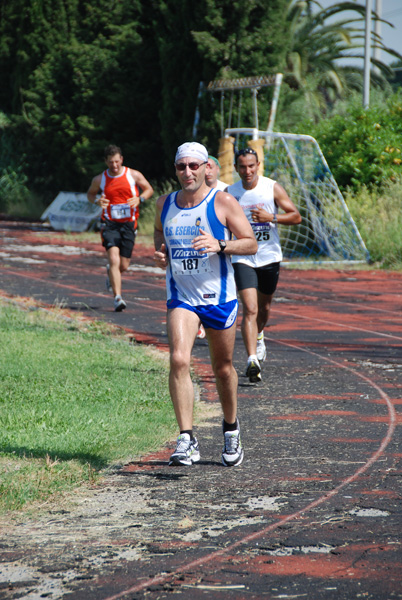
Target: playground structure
column 327, row 232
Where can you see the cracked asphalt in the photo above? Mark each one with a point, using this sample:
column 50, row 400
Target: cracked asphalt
column 313, row 512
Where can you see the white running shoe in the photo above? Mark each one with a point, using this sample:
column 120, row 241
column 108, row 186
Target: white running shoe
column 119, row 304
column 187, row 451
column 261, row 348
column 232, row 453
column 253, row 371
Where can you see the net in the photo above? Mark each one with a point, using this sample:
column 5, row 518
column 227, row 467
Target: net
column 328, row 231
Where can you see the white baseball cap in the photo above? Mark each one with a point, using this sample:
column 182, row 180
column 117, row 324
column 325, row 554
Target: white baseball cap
column 193, row 150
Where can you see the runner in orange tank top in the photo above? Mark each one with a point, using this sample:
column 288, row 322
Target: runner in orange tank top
column 120, row 199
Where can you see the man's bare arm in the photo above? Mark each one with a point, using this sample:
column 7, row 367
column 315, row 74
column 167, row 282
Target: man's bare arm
column 160, row 255
column 146, row 188
column 94, row 188
column 282, row 200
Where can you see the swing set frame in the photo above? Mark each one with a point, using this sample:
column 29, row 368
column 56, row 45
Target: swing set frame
column 254, row 84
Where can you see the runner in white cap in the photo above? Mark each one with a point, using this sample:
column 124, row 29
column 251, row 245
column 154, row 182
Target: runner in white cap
column 193, row 230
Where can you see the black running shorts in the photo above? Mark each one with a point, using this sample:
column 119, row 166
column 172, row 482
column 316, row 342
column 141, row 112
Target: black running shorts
column 264, row 279
column 121, row 235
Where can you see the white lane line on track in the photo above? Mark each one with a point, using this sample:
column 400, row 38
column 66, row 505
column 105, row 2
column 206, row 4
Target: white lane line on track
column 337, row 324
column 163, row 310
column 48, row 249
column 254, row 536
column 162, row 285
column 155, row 270
column 84, row 291
column 325, row 298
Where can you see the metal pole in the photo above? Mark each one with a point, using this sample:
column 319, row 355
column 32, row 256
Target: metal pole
column 367, row 46
column 254, row 92
column 272, row 114
column 377, row 27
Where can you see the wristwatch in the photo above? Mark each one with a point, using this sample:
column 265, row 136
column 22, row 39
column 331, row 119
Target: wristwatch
column 274, row 218
column 222, row 246
column 142, row 199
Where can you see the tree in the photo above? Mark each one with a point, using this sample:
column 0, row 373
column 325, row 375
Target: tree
column 78, row 74
column 78, row 83
column 225, row 38
column 312, row 62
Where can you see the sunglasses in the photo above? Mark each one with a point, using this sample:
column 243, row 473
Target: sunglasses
column 246, row 151
column 193, row 166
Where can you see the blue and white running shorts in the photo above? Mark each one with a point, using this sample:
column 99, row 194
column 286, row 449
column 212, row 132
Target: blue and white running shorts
column 214, row 316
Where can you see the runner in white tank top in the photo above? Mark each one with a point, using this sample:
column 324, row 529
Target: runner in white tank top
column 193, row 229
column 257, row 276
column 266, row 234
column 192, row 276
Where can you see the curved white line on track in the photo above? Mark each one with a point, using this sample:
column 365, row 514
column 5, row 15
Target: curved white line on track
column 258, row 534
column 249, row 538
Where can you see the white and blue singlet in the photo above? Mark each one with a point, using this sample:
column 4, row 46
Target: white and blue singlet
column 192, row 277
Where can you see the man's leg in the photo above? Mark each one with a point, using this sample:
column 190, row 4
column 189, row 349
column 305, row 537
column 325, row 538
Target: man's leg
column 182, row 327
column 267, row 281
column 124, row 264
column 249, row 332
column 264, row 306
column 114, row 259
column 221, row 345
column 249, row 329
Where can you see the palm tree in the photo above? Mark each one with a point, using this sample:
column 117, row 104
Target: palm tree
column 317, row 46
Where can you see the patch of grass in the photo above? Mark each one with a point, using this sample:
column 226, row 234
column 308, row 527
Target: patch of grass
column 378, row 216
column 73, row 401
column 25, row 481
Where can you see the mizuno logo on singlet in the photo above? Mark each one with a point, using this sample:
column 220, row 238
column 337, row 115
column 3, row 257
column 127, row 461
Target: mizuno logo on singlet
column 184, row 253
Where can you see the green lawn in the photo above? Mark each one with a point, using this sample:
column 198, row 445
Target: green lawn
column 75, row 398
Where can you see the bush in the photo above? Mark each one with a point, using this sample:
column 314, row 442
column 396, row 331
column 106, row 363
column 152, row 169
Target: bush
column 363, row 147
column 15, row 198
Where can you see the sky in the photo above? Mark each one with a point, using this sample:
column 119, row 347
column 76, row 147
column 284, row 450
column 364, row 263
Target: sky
column 392, row 12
